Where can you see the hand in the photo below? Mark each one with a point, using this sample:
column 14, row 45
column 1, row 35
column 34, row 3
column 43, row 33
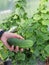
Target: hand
column 7, row 35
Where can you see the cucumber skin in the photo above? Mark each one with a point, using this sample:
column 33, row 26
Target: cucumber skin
column 19, row 42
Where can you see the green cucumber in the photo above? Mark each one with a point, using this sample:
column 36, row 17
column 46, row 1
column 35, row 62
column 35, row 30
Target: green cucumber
column 21, row 43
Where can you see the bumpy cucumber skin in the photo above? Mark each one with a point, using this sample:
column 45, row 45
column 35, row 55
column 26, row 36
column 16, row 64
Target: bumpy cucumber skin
column 19, row 42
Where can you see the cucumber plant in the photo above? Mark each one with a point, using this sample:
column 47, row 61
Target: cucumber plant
column 34, row 28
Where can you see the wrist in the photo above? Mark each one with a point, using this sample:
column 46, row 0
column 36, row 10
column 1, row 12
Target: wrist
column 1, row 32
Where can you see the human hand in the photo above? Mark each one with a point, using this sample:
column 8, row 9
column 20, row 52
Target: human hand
column 7, row 35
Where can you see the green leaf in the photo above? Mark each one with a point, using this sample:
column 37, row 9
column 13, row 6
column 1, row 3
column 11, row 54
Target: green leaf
column 37, row 17
column 36, row 26
column 45, row 22
column 45, row 16
column 44, row 11
column 47, row 49
column 1, row 44
column 36, row 52
column 32, row 62
column 4, row 53
column 20, row 56
column 44, row 29
column 10, row 53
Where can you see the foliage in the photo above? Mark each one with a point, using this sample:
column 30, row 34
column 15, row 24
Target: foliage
column 35, row 28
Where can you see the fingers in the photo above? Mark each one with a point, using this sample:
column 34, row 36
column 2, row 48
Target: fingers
column 11, row 48
column 16, row 49
column 18, row 36
column 21, row 49
column 6, row 44
column 13, row 35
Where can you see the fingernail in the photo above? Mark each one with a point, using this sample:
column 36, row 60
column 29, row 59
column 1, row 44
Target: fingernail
column 21, row 50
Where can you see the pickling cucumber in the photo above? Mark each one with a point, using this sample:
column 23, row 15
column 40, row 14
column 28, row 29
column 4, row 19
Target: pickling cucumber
column 21, row 43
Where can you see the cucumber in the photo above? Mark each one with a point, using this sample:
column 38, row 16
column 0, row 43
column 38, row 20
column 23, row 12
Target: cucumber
column 21, row 43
